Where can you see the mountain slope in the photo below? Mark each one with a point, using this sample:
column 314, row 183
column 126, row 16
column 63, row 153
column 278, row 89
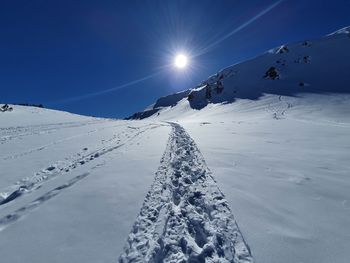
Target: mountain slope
column 83, row 179
column 277, row 142
column 200, row 181
column 318, row 67
column 71, row 186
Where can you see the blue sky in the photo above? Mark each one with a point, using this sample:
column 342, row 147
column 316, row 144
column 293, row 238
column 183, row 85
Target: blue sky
column 73, row 55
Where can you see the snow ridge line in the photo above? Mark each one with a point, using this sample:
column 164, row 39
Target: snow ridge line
column 185, row 217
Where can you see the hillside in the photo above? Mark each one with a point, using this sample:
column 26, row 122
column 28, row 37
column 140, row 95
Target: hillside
column 307, row 67
column 252, row 165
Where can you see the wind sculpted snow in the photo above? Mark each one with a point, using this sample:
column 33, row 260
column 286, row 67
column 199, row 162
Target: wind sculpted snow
column 185, row 217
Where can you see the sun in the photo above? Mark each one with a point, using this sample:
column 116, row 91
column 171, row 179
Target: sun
column 181, row 61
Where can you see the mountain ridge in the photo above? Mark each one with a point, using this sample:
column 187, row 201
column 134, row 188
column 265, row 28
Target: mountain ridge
column 309, row 66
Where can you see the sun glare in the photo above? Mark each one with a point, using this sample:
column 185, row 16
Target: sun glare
column 180, row 61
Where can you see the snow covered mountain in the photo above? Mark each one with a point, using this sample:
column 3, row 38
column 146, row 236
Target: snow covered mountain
column 251, row 165
column 73, row 185
column 317, row 66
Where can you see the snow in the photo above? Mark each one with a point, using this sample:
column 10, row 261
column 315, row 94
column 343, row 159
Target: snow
column 85, row 214
column 287, row 180
column 185, row 217
column 318, row 66
column 250, row 168
column 278, row 146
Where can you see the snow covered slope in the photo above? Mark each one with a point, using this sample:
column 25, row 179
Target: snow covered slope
column 275, row 133
column 265, row 178
column 287, row 178
column 72, row 186
column 317, row 66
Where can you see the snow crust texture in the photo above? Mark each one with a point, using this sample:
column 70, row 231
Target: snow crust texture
column 185, row 217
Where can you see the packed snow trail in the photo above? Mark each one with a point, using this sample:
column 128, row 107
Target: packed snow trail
column 185, row 217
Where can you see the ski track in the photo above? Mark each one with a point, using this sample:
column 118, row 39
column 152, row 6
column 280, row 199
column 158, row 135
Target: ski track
column 43, row 147
column 29, row 184
column 279, row 109
column 19, row 213
column 12, row 133
column 185, row 217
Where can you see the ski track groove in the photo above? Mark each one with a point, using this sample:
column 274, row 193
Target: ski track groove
column 43, row 147
column 19, row 213
column 185, row 217
column 11, row 133
column 29, row 184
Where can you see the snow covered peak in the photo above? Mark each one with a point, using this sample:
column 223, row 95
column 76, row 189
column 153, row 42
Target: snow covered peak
column 315, row 67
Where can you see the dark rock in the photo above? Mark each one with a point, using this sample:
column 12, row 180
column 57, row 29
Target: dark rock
column 208, row 92
column 219, row 87
column 5, row 107
column 271, row 73
column 306, row 44
column 283, row 49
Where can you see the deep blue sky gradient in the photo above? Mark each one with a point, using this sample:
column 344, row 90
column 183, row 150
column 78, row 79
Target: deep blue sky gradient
column 53, row 51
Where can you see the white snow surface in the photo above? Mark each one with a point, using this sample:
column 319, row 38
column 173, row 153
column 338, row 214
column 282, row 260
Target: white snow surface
column 263, row 178
column 82, row 180
column 286, row 179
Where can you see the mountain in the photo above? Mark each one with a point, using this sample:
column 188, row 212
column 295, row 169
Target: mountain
column 252, row 165
column 309, row 67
